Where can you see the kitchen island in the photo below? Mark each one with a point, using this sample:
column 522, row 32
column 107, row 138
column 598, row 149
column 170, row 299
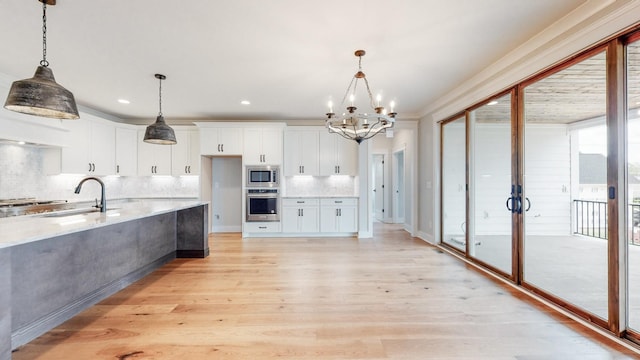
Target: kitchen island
column 54, row 265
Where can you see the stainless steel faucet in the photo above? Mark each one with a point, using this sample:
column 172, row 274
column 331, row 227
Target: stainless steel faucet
column 103, row 200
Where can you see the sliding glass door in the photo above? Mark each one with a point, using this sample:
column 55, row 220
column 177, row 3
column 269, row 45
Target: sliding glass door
column 454, row 205
column 491, row 204
column 632, row 231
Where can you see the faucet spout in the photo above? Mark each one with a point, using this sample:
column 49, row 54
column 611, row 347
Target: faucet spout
column 103, row 200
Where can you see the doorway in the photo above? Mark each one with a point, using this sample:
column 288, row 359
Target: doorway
column 226, row 194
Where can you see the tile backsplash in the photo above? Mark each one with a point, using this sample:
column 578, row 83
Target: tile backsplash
column 321, row 186
column 22, row 175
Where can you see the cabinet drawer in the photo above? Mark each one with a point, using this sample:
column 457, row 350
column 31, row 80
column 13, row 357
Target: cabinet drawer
column 300, row 202
column 339, row 202
column 262, row 227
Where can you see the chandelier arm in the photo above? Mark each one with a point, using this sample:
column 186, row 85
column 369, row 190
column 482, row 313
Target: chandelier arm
column 346, row 93
column 369, row 92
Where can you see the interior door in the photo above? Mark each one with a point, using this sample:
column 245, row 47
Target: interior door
column 378, row 187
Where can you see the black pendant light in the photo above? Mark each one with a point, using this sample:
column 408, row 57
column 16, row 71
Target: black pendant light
column 41, row 95
column 159, row 132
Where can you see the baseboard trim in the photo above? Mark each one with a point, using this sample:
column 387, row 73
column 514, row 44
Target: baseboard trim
column 33, row 330
column 426, row 237
column 192, row 254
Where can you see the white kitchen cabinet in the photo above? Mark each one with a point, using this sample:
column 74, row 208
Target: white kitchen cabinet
column 185, row 154
column 90, row 148
column 262, row 146
column 300, row 215
column 338, row 156
column 339, row 215
column 262, row 227
column 153, row 159
column 221, row 141
column 126, row 151
column 301, row 151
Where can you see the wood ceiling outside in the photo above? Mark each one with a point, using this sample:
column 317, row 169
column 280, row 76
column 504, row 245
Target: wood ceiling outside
column 571, row 95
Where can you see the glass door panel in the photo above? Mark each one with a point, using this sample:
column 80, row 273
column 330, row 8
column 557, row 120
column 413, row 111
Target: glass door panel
column 564, row 185
column 490, row 187
column 633, row 183
column 454, row 206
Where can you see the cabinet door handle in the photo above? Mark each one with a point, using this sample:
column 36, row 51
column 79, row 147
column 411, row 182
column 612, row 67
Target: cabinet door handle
column 339, row 212
column 262, row 227
column 89, row 167
column 222, row 147
column 118, row 169
column 185, row 169
column 303, row 169
column 189, row 169
column 338, row 201
column 300, row 202
column 218, row 147
column 338, row 169
column 301, row 212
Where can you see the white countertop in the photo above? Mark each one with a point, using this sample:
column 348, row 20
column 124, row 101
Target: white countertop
column 23, row 229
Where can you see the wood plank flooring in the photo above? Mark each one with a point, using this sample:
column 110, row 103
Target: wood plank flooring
column 390, row 297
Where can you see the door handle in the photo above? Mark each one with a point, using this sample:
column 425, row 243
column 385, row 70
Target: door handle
column 528, row 204
column 509, row 199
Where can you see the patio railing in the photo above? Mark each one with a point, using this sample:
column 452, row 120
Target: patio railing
column 591, row 220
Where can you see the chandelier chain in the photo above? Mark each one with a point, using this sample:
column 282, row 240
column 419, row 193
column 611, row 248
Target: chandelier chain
column 44, row 61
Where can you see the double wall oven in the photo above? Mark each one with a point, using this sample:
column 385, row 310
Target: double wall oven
column 263, row 193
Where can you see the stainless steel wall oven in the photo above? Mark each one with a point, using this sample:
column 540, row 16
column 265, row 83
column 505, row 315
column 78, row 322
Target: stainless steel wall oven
column 263, row 205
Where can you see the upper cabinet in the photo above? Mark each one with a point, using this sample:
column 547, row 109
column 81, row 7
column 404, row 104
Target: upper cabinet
column 301, row 151
column 185, row 155
column 338, row 156
column 126, row 151
column 263, row 145
column 90, row 147
column 220, row 140
column 153, row 159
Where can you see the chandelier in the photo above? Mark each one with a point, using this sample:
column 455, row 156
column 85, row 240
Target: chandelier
column 360, row 126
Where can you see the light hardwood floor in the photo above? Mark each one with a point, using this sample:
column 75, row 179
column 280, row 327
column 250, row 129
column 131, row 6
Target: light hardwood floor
column 390, row 297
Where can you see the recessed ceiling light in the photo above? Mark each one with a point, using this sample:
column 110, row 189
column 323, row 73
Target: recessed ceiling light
column 494, row 102
column 245, row 102
column 124, row 101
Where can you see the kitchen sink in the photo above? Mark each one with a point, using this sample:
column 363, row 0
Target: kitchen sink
column 81, row 211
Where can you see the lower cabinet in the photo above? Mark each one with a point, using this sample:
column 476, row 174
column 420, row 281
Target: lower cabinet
column 339, row 215
column 300, row 215
column 320, row 215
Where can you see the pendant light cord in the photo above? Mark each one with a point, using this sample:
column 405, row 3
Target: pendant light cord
column 44, row 61
column 160, row 96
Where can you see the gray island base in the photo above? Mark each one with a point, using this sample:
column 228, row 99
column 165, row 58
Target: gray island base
column 46, row 282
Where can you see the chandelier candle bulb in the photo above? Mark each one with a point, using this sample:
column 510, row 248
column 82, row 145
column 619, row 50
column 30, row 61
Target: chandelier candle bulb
column 378, row 98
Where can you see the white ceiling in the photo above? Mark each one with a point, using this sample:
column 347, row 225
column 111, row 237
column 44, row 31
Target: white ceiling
column 288, row 57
